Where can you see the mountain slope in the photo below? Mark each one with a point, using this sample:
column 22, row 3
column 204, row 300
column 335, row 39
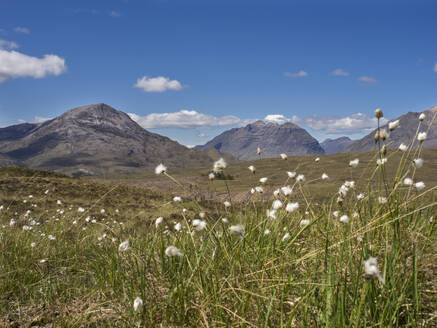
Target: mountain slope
column 94, row 139
column 403, row 134
column 272, row 138
column 332, row 146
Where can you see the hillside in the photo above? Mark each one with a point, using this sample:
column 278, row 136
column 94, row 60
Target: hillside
column 272, row 138
column 332, row 146
column 93, row 139
column 406, row 131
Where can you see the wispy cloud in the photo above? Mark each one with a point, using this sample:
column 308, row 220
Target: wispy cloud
column 15, row 64
column 367, row 79
column 36, row 119
column 157, row 84
column 21, row 29
column 339, row 72
column 4, row 44
column 301, row 73
column 276, row 118
column 203, row 135
column 114, row 14
column 185, row 119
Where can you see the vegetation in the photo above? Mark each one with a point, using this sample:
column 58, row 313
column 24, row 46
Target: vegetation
column 362, row 255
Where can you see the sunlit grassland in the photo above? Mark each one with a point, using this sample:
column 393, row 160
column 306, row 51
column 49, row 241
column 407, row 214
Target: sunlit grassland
column 282, row 272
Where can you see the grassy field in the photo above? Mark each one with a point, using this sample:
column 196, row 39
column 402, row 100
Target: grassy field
column 81, row 253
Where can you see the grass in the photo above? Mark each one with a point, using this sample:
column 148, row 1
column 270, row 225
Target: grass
column 282, row 272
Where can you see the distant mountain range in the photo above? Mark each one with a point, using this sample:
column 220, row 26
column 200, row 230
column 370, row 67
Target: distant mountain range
column 331, row 146
column 94, row 139
column 403, row 134
column 272, row 138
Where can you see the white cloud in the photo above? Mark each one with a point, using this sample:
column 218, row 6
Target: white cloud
column 276, row 118
column 435, row 67
column 367, row 79
column 184, row 119
column 14, row 64
column 114, row 14
column 36, row 119
column 21, row 29
column 335, row 124
column 203, row 135
column 339, row 72
column 157, row 84
column 301, row 73
column 8, row 44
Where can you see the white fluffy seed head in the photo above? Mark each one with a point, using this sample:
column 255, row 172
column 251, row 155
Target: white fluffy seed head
column 211, row 176
column 421, row 137
column 422, row 117
column 219, row 165
column 408, row 181
column 317, row 159
column 259, row 189
column 354, row 162
column 300, row 178
column 177, row 199
column 324, row 176
column 160, row 169
column 286, row 236
column 227, row 204
column 418, row 163
column 382, row 200
column 344, row 219
column 304, row 222
column 237, row 230
column 263, row 180
column 291, row 207
column 378, row 113
column 173, row 251
column 138, row 304
column 252, row 169
column 371, row 268
column 419, row 185
column 124, row 246
column 393, row 125
column 158, row 221
column 291, row 175
column 403, row 147
column 286, row 190
column 277, row 204
column 284, row 156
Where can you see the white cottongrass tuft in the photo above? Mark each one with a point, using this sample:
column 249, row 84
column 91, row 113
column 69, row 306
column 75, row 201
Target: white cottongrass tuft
column 354, row 162
column 12, row 223
column 227, row 204
column 371, row 268
column 277, row 204
column 382, row 200
column 277, row 192
column 286, row 236
column 173, row 251
column 219, row 165
column 284, row 156
column 403, row 147
column 325, row 176
column 158, row 221
column 291, row 207
column 304, row 222
column 291, row 175
column 418, row 163
column 202, row 215
column 33, row 244
column 263, row 180
column 393, row 125
column 381, row 161
column 178, row 226
column 422, row 117
column 336, row 213
column 421, row 137
column 138, row 304
column 258, row 151
column 419, row 185
column 252, row 169
column 81, row 210
column 259, row 189
column 225, row 220
column 271, row 214
column 286, row 190
column 267, row 232
column 237, row 230
column 408, row 181
column 211, row 176
column 51, row 237
column 317, row 159
column 300, row 178
column 160, row 169
column 344, row 219
column 124, row 246
column 177, row 199
column 199, row 224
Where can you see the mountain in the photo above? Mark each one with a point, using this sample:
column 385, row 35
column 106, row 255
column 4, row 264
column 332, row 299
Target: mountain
column 331, row 146
column 93, row 139
column 403, row 134
column 272, row 138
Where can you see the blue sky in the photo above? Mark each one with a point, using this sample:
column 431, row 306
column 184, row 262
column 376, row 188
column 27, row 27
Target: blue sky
column 212, row 65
